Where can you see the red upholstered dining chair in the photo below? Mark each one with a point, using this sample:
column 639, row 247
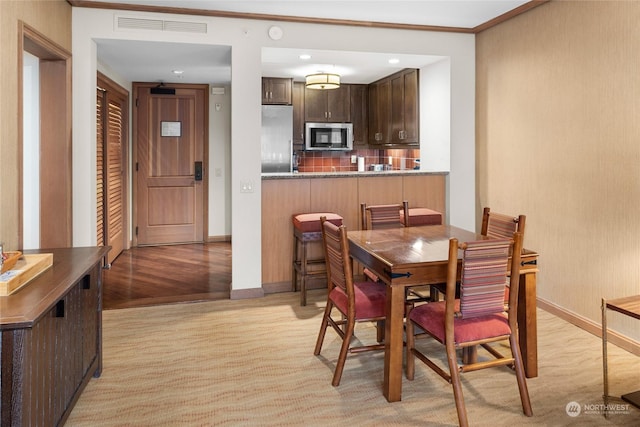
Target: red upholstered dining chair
column 501, row 226
column 355, row 301
column 421, row 216
column 496, row 226
column 375, row 217
column 479, row 317
column 416, row 217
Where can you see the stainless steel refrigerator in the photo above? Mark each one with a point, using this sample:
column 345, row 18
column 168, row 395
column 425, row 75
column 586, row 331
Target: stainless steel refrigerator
column 276, row 138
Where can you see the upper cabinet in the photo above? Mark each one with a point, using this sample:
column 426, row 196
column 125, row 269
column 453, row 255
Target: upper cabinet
column 331, row 105
column 276, row 91
column 404, row 107
column 359, row 114
column 379, row 112
column 298, row 114
column 393, row 109
column 384, row 113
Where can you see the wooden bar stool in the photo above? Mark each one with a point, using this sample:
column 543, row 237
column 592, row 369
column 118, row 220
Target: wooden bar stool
column 418, row 217
column 307, row 229
column 421, row 216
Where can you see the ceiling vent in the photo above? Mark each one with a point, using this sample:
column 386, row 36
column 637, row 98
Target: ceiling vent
column 186, row 27
column 128, row 23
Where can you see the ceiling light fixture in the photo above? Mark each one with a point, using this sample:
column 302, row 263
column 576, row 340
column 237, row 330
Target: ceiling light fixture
column 322, row 81
column 305, row 56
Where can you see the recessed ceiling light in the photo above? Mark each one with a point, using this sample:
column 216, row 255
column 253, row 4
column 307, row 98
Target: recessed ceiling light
column 394, row 61
column 305, row 56
column 177, row 72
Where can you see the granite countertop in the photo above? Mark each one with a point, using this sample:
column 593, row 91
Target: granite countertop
column 348, row 174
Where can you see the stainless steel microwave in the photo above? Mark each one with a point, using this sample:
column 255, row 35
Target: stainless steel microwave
column 328, row 136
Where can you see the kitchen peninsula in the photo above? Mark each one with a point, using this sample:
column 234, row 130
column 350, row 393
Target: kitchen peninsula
column 285, row 194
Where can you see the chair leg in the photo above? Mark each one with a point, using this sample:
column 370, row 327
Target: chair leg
column 411, row 344
column 457, row 385
column 303, row 275
column 434, row 295
column 323, row 327
column 294, row 271
column 520, row 376
column 380, row 331
column 344, row 349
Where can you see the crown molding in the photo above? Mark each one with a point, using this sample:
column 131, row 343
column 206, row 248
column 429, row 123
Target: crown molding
column 307, row 20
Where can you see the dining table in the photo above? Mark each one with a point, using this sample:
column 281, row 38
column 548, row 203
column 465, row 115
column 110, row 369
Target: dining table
column 411, row 256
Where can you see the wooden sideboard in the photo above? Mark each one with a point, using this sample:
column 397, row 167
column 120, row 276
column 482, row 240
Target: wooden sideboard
column 283, row 196
column 51, row 339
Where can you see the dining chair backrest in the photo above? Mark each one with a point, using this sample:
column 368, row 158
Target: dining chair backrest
column 478, row 320
column 338, row 261
column 501, row 226
column 353, row 302
column 483, row 276
column 383, row 216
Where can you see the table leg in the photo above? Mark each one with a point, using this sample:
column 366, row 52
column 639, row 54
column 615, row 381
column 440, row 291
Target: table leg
column 628, row 307
column 394, row 343
column 605, row 374
column 528, row 324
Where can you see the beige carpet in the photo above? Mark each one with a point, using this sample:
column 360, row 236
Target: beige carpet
column 251, row 363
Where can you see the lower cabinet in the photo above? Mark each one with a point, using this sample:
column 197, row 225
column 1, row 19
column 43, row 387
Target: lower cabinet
column 282, row 198
column 48, row 360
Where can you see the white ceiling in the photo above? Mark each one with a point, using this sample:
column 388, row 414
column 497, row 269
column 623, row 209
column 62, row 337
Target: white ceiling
column 152, row 61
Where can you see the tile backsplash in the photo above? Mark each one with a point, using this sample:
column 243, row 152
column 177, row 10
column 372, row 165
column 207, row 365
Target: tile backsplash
column 341, row 161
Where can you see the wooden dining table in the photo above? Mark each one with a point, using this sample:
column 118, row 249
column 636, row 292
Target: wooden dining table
column 411, row 256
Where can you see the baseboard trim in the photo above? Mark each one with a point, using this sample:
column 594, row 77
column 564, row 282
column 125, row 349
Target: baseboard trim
column 277, row 287
column 246, row 293
column 590, row 326
column 218, row 239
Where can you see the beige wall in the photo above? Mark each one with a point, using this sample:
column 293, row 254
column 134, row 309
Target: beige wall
column 558, row 139
column 52, row 18
column 557, row 115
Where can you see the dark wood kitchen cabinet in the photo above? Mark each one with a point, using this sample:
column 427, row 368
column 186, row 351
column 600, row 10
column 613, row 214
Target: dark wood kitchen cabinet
column 51, row 339
column 404, row 107
column 393, row 109
column 379, row 112
column 276, row 91
column 298, row 115
column 359, row 115
column 315, row 100
column 330, row 105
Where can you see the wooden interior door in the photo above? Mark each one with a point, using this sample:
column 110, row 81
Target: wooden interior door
column 170, row 135
column 111, row 165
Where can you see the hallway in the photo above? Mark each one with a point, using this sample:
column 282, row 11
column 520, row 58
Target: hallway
column 155, row 275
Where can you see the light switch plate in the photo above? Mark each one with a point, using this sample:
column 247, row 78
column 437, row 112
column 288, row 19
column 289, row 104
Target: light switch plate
column 246, row 187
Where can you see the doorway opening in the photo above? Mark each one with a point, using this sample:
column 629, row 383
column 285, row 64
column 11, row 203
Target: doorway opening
column 170, row 152
column 44, row 142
